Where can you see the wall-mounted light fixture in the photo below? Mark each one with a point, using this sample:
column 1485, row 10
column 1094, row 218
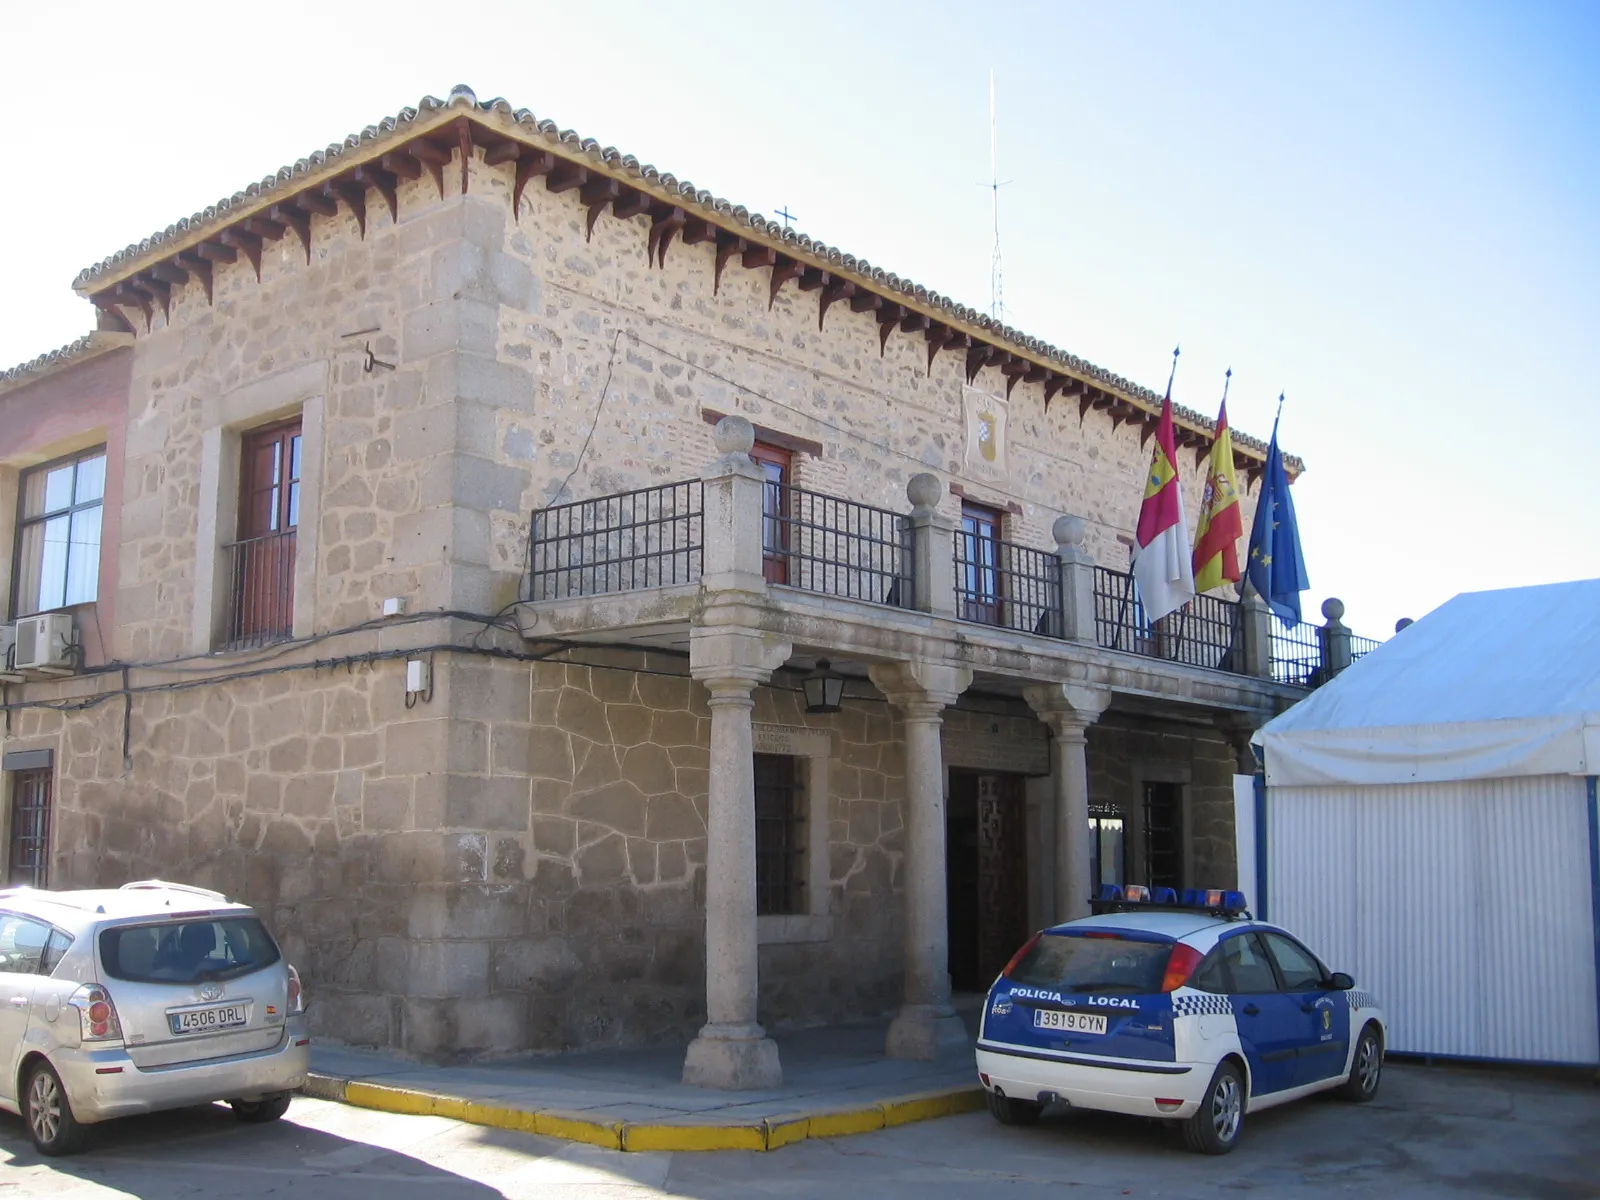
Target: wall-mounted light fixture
column 824, row 689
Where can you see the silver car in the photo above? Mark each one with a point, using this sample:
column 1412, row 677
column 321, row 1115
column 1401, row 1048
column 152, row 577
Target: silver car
column 150, row 996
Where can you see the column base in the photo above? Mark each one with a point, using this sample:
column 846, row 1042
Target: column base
column 920, row 1031
column 733, row 1058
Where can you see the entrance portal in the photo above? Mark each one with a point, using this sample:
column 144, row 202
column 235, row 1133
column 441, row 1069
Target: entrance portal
column 986, row 872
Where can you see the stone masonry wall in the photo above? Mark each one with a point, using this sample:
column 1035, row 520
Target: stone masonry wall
column 1123, row 750
column 624, row 356
column 516, row 865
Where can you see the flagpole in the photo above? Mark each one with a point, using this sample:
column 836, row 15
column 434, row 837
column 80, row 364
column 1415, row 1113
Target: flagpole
column 1176, row 350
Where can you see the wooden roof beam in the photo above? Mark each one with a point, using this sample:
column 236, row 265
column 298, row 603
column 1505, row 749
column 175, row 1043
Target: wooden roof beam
column 355, row 196
column 250, row 243
column 200, row 267
column 596, row 195
column 431, row 157
column 401, row 165
column 297, row 220
column 839, row 289
column 665, row 222
column 728, row 245
column 529, row 167
column 368, row 175
column 890, row 316
column 783, row 270
column 633, row 202
column 565, row 176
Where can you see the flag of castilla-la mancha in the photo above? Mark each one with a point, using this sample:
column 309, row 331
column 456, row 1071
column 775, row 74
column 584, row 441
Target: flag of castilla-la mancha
column 1161, row 564
column 1216, row 548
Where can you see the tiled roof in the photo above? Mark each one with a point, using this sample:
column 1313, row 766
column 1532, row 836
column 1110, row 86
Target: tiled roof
column 88, row 346
column 362, row 145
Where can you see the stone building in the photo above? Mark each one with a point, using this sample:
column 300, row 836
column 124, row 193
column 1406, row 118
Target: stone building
column 451, row 526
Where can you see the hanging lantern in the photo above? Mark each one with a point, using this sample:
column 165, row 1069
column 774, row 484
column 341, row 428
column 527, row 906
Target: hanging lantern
column 824, row 689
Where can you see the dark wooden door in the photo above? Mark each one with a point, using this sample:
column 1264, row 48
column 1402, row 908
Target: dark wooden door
column 1002, row 872
column 269, row 515
column 986, row 857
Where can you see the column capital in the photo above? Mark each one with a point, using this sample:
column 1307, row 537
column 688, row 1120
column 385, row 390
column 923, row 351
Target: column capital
column 1239, row 728
column 920, row 689
column 727, row 660
column 1067, row 708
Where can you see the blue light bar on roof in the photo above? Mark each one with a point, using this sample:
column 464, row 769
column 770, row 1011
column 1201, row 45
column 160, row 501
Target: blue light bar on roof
column 1210, row 899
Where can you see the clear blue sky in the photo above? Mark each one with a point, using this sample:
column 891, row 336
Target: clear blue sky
column 1386, row 210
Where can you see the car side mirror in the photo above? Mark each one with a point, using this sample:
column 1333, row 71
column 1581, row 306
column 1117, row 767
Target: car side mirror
column 1341, row 982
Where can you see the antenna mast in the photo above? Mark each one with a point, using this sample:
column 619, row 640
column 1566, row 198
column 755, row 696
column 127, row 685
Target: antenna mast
column 997, row 300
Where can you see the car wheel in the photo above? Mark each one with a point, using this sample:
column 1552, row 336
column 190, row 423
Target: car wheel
column 45, row 1108
column 259, row 1112
column 1366, row 1068
column 1014, row 1112
column 1215, row 1128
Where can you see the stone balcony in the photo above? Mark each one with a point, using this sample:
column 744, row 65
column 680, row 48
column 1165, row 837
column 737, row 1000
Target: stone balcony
column 845, row 581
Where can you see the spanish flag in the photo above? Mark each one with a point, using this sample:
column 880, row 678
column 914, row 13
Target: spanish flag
column 1216, row 550
column 1161, row 565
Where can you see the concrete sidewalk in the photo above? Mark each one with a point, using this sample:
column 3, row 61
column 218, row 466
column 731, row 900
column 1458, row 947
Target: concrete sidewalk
column 835, row 1082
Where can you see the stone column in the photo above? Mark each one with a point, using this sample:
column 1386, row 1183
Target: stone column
column 933, row 554
column 1335, row 639
column 732, row 1050
column 733, row 491
column 1069, row 710
column 927, row 1021
column 1256, row 635
column 1077, row 580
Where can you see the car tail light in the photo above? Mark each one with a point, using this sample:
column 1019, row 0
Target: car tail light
column 1020, row 955
column 295, row 996
column 97, row 1016
column 1180, row 965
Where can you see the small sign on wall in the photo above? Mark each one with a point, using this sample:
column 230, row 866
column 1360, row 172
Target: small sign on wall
column 986, row 421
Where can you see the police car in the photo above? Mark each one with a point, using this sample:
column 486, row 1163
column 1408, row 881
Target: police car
column 1183, row 1008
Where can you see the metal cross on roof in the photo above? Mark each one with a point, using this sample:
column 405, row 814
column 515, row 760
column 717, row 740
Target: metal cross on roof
column 786, row 215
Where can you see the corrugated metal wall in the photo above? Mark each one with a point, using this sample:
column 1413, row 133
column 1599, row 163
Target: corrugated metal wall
column 1466, row 907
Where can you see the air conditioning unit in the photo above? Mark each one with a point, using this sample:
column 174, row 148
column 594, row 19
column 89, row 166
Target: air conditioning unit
column 45, row 643
column 8, row 639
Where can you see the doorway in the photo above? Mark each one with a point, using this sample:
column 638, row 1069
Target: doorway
column 1163, row 835
column 986, row 875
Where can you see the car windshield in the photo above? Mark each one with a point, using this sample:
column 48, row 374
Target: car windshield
column 187, row 951
column 1102, row 962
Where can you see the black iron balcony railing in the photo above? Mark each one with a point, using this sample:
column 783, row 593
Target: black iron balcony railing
column 1206, row 632
column 651, row 537
column 1297, row 654
column 261, row 591
column 1361, row 645
column 1001, row 583
column 836, row 547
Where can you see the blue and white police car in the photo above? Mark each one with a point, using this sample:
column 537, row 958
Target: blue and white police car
column 1183, row 1008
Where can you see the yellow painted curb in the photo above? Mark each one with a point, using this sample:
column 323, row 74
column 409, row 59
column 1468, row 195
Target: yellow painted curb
column 770, row 1134
column 785, row 1131
column 846, row 1122
column 694, row 1137
column 574, row 1128
column 926, row 1107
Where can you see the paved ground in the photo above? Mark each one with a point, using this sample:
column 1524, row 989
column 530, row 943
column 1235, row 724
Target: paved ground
column 1433, row 1132
column 839, row 1068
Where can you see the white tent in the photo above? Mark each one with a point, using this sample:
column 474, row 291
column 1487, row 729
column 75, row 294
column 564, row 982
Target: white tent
column 1430, row 824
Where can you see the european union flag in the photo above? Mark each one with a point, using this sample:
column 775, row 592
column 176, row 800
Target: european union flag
column 1277, row 569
